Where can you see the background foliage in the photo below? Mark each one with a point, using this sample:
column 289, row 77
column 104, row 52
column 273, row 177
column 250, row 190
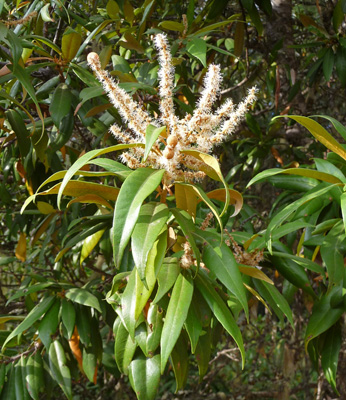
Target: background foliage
column 56, row 263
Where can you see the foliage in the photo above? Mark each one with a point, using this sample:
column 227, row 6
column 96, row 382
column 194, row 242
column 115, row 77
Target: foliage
column 143, row 238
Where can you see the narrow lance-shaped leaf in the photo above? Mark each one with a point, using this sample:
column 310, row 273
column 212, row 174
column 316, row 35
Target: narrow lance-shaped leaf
column 152, row 218
column 220, row 310
column 59, row 369
column 151, row 135
column 85, row 159
column 36, row 313
column 220, row 260
column 178, row 308
column 136, row 188
column 330, row 355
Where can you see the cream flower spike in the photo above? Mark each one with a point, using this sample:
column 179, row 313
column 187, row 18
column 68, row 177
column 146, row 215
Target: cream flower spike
column 200, row 131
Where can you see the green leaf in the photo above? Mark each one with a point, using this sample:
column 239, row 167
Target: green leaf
column 20, row 385
column 83, row 297
column 68, row 316
column 193, row 323
column 70, row 44
column 84, row 160
column 31, row 318
column 180, row 362
column 340, row 64
column 203, row 353
column 49, row 324
column 9, row 391
column 172, row 26
column 178, row 308
column 2, row 376
column 155, row 325
column 34, row 375
column 36, row 287
column 59, row 369
column 330, row 355
column 188, row 227
column 152, row 218
column 220, row 310
column 337, row 125
column 135, row 296
column 304, row 262
column 151, row 134
column 328, row 64
column 144, row 375
column 19, row 128
column 333, row 255
column 275, row 300
column 120, row 170
column 112, row 9
column 89, row 244
column 320, row 133
column 198, row 48
column 136, row 188
column 124, row 347
column 323, row 316
column 310, row 173
column 166, row 277
column 291, row 208
column 89, row 362
column 60, row 104
column 220, row 261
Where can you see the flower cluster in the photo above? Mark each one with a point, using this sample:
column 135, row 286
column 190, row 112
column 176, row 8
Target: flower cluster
column 200, row 131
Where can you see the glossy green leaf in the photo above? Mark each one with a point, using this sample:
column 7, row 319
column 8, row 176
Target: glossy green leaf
column 70, row 44
column 304, row 262
column 220, row 310
column 177, row 311
column 275, row 299
column 68, row 316
column 59, row 369
column 136, row 188
column 49, row 324
column 333, row 255
column 328, row 64
column 290, row 209
column 124, row 347
column 84, row 160
column 136, row 295
column 198, row 48
column 166, row 277
column 60, row 104
column 337, row 125
column 320, row 133
column 152, row 218
column 188, row 227
column 310, row 173
column 144, row 374
column 89, row 244
column 115, row 167
column 20, row 385
column 155, row 324
column 83, row 297
column 89, row 362
column 323, row 316
column 9, row 390
column 330, row 355
column 220, row 261
column 180, row 362
column 36, row 313
column 151, row 135
column 34, row 375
